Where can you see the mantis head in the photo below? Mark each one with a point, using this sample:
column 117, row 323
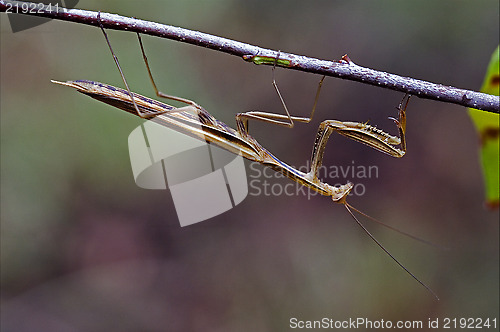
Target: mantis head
column 340, row 193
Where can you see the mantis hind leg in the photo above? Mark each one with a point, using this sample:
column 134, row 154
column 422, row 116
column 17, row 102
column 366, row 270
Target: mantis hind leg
column 195, row 107
column 115, row 58
column 158, row 92
column 204, row 116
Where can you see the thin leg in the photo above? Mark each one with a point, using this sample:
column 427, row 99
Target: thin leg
column 159, row 93
column 242, row 118
column 279, row 119
column 275, row 85
column 139, row 113
column 204, row 116
column 115, row 58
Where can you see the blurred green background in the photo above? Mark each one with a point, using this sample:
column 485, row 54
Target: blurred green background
column 84, row 249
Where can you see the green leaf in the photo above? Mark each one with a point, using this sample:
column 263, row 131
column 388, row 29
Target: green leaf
column 488, row 128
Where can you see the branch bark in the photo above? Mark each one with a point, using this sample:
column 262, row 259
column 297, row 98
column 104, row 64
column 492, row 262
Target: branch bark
column 345, row 68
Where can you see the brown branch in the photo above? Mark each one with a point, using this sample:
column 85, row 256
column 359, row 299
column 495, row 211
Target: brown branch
column 345, row 68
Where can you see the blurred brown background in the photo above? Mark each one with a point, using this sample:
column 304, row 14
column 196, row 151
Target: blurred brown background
column 84, row 249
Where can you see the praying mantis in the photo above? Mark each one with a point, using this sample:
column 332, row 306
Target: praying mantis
column 195, row 121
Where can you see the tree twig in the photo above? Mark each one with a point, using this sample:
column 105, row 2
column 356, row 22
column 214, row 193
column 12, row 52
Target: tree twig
column 345, row 68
